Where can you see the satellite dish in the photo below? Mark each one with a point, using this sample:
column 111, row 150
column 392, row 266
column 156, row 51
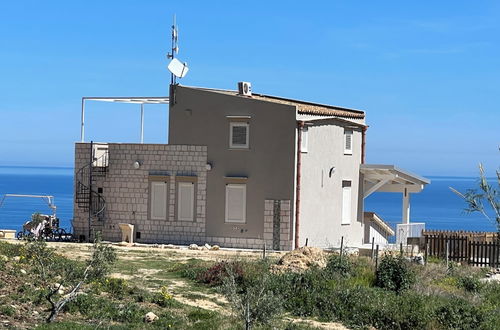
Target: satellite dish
column 178, row 68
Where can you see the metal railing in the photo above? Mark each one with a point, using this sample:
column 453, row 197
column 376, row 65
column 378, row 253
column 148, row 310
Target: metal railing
column 408, row 230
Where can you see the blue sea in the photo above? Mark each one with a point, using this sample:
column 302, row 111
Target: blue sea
column 436, row 205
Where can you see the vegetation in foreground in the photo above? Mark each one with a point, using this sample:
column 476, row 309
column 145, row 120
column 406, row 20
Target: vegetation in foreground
column 399, row 295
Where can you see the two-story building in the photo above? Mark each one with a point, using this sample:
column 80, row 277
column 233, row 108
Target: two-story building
column 240, row 170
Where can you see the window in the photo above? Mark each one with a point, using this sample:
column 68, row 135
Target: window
column 185, row 201
column 158, row 200
column 347, row 142
column 346, row 202
column 238, row 135
column 236, row 207
column 304, row 140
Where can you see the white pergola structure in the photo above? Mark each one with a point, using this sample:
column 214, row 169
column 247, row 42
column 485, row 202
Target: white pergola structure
column 142, row 100
column 389, row 178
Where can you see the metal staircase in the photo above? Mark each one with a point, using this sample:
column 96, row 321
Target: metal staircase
column 86, row 196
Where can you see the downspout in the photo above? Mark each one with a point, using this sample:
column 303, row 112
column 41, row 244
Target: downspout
column 300, row 126
column 363, row 143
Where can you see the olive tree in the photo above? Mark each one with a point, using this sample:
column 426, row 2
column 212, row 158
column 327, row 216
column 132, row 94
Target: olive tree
column 485, row 200
column 61, row 279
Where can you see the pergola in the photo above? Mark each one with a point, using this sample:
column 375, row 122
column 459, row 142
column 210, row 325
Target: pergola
column 389, row 178
column 142, row 100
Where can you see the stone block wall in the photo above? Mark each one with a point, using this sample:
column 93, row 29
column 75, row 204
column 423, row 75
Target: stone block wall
column 277, row 222
column 126, row 191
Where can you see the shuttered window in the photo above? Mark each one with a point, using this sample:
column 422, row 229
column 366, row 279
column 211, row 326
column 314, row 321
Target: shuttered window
column 185, row 201
column 304, row 139
column 236, row 207
column 347, row 142
column 158, row 202
column 346, row 202
column 238, row 135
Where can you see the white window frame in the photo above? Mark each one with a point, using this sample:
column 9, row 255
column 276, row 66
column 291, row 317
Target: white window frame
column 351, row 134
column 152, row 199
column 230, row 186
column 346, row 202
column 180, row 202
column 238, row 124
column 304, row 139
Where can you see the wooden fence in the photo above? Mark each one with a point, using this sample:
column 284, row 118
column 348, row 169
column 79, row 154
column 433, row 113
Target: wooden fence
column 463, row 249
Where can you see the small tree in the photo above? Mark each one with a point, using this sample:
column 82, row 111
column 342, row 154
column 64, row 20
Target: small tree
column 53, row 272
column 484, row 201
column 252, row 298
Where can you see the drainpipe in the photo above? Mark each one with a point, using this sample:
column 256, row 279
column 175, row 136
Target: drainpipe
column 300, row 126
column 363, row 143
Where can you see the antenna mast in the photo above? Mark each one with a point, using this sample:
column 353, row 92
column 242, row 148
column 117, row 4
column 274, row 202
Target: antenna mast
column 175, row 48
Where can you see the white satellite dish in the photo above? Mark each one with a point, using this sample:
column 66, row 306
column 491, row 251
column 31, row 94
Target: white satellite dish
column 178, row 68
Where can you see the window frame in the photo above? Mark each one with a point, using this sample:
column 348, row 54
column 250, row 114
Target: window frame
column 244, row 213
column 191, row 185
column 247, row 138
column 153, row 181
column 346, row 206
column 349, row 132
column 304, row 139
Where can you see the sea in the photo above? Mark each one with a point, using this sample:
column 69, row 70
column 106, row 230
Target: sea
column 436, row 205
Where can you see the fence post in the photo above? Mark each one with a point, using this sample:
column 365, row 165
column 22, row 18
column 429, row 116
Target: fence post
column 341, row 247
column 447, row 253
column 426, row 250
column 376, row 258
column 373, row 246
column 264, row 251
column 401, row 248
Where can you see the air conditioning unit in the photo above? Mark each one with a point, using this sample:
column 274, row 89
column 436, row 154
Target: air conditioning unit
column 245, row 88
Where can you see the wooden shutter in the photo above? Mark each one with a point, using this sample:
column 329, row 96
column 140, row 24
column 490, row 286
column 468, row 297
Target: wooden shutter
column 158, row 200
column 236, row 203
column 348, row 142
column 346, row 202
column 304, row 139
column 185, row 200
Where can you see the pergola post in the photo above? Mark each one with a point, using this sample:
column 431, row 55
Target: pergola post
column 406, row 207
column 142, row 122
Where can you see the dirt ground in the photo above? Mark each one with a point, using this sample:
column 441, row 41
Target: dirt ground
column 144, row 260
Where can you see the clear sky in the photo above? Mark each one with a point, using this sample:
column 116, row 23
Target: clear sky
column 427, row 73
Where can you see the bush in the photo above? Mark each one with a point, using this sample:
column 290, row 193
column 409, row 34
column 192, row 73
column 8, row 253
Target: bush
column 163, row 297
column 215, row 275
column 340, row 265
column 395, row 274
column 470, row 283
column 460, row 314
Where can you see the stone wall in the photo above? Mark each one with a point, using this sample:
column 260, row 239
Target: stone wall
column 126, row 192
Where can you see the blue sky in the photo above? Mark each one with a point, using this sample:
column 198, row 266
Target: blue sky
column 427, row 73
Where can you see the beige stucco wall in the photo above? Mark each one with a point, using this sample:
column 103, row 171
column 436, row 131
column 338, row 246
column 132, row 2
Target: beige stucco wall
column 321, row 195
column 200, row 117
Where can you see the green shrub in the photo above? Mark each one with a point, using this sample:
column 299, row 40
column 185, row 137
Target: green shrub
column 470, row 283
column 460, row 314
column 11, row 250
column 340, row 265
column 163, row 297
column 395, row 274
column 7, row 310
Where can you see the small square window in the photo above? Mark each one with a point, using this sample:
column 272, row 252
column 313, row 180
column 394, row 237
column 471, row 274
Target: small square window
column 238, row 135
column 347, row 142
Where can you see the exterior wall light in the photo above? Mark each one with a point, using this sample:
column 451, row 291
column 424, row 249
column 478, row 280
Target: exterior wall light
column 208, row 166
column 137, row 164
